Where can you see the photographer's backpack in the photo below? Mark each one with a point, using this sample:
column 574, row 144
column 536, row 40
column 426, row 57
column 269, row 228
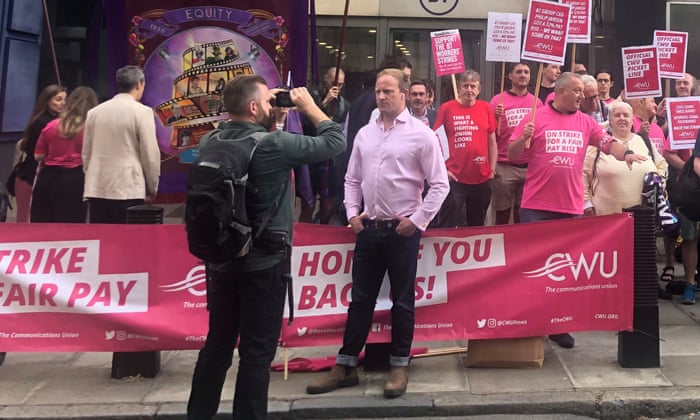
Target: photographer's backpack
column 216, row 220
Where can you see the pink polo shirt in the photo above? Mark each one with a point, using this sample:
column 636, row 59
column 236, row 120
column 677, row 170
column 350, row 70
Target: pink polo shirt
column 554, row 179
column 387, row 169
column 58, row 150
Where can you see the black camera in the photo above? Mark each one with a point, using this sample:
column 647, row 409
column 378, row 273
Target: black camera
column 283, row 99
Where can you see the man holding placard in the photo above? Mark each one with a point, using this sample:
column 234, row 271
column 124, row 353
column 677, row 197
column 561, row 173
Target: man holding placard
column 510, row 108
column 554, row 145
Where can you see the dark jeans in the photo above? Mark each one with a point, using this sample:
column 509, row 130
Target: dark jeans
column 58, row 196
column 532, row 215
column 378, row 250
column 475, row 197
column 110, row 211
column 246, row 305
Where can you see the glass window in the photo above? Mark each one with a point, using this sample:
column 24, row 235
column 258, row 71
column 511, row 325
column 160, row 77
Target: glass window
column 358, row 58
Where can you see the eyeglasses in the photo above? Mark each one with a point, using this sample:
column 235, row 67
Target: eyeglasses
column 603, row 80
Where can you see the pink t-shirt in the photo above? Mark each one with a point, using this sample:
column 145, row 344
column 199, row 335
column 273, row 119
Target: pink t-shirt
column 467, row 129
column 549, row 98
column 554, row 180
column 515, row 108
column 59, row 151
column 656, row 134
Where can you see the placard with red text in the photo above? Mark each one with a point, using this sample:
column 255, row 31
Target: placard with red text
column 672, row 48
column 640, row 66
column 546, row 32
column 447, row 52
column 503, row 37
column 683, row 121
column 579, row 21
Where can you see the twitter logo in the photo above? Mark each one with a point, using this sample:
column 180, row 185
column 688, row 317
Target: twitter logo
column 109, row 335
column 481, row 323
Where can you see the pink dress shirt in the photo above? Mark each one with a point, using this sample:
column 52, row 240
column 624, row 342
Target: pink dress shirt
column 387, row 169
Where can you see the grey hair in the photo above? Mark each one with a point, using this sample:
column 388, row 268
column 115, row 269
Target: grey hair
column 620, row 104
column 564, row 79
column 128, row 77
column 589, row 80
column 469, row 75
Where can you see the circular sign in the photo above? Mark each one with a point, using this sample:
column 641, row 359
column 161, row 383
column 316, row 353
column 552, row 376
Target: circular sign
column 439, row 7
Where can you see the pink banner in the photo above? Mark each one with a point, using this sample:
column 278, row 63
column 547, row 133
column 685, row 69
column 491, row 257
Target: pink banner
column 672, row 48
column 71, row 287
column 447, row 52
column 683, row 121
column 640, row 66
column 580, row 21
column 490, row 282
column 546, row 32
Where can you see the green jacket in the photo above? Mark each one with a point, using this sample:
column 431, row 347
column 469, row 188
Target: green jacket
column 270, row 171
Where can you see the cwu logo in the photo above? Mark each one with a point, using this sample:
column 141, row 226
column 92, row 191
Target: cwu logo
column 195, row 282
column 561, row 266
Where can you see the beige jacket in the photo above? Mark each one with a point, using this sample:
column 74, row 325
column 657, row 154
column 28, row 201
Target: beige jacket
column 121, row 158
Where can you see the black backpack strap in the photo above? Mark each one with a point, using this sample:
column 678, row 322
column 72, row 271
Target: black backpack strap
column 647, row 142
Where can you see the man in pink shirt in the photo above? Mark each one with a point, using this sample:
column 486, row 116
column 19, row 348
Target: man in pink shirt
column 470, row 127
column 510, row 107
column 555, row 147
column 391, row 158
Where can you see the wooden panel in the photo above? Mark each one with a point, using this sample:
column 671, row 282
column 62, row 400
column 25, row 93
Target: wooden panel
column 20, row 81
column 26, row 16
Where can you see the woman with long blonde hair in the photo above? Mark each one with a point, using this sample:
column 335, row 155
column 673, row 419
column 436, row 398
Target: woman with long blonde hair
column 58, row 192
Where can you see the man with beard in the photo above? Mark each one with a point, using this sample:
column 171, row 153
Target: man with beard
column 245, row 298
column 418, row 101
column 510, row 107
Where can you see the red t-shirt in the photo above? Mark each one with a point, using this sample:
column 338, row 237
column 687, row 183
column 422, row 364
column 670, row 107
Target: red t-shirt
column 59, row 151
column 467, row 129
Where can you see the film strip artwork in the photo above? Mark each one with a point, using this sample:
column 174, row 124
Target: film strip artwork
column 197, row 102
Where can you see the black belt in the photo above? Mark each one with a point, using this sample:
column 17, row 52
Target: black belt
column 517, row 165
column 381, row 224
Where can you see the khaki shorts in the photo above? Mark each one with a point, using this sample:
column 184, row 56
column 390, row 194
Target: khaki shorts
column 689, row 229
column 507, row 186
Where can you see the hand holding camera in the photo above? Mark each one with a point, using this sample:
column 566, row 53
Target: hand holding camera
column 301, row 99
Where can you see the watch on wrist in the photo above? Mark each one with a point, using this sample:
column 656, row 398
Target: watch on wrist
column 628, row 152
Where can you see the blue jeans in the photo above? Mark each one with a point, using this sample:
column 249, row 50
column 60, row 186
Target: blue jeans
column 532, row 215
column 380, row 249
column 249, row 305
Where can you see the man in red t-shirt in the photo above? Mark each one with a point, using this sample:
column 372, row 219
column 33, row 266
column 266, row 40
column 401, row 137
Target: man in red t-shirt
column 470, row 127
column 555, row 147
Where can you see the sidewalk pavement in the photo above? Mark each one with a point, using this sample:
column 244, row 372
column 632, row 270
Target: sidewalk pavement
column 586, row 380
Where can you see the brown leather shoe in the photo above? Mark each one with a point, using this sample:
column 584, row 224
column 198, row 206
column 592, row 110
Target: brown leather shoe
column 396, row 385
column 338, row 377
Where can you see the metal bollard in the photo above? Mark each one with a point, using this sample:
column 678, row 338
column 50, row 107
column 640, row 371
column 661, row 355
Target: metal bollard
column 143, row 363
column 641, row 348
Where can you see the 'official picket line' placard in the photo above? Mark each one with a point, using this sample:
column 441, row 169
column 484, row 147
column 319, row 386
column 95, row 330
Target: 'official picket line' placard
column 579, row 21
column 447, row 52
column 672, row 48
column 640, row 66
column 683, row 121
column 546, row 32
column 503, row 37
column 75, row 287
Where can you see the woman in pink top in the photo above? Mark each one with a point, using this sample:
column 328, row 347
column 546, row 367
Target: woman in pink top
column 58, row 193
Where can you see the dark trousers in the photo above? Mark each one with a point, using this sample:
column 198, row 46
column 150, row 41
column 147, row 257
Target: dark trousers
column 532, row 215
column 378, row 250
column 249, row 306
column 58, row 196
column 476, row 198
column 110, row 211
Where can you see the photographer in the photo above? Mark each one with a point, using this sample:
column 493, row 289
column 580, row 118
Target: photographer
column 245, row 298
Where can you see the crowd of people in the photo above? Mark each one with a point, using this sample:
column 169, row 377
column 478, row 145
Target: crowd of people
column 402, row 164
